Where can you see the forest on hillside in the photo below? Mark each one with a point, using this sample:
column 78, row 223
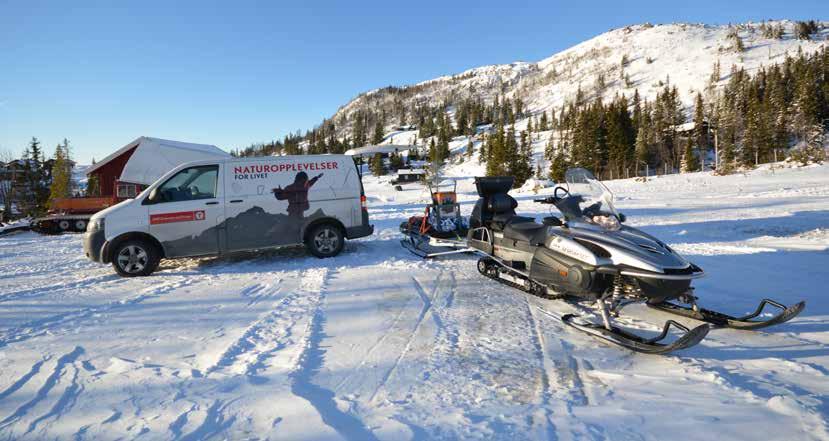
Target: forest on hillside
column 739, row 120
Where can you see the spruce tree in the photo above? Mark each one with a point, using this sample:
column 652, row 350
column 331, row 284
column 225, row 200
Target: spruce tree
column 376, row 165
column 558, row 166
column 689, row 159
column 700, row 137
column 497, row 160
column 521, row 166
column 642, row 148
column 377, row 137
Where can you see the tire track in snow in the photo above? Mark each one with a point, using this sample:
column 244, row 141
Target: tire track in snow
column 43, row 326
column 58, row 287
column 310, row 361
column 271, row 333
column 369, row 354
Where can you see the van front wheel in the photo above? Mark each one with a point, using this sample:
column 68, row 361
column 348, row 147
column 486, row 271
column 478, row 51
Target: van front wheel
column 135, row 257
column 325, row 240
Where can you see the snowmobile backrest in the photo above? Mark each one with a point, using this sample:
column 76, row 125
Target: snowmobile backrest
column 493, row 200
column 489, row 185
column 501, row 203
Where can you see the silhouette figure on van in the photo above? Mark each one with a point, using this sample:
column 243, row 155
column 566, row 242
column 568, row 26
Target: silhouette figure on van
column 296, row 194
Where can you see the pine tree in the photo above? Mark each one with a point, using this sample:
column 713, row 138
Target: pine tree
column 558, row 166
column 543, row 124
column 358, row 130
column 497, row 160
column 700, row 137
column 689, row 159
column 377, row 137
column 376, row 165
column 483, row 154
column 35, row 176
column 642, row 148
column 469, row 148
column 395, row 161
column 521, row 166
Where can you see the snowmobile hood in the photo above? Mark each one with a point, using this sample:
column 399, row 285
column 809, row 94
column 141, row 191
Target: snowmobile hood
column 633, row 248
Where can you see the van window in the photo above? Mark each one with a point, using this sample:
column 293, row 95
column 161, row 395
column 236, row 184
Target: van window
column 190, row 184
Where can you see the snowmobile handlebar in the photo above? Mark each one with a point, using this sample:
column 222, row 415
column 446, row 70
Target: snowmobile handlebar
column 547, row 200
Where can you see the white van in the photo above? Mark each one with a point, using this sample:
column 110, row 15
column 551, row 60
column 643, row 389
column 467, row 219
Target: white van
column 221, row 206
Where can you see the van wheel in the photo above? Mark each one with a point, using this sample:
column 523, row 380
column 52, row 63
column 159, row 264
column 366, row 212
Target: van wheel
column 325, row 240
column 135, row 257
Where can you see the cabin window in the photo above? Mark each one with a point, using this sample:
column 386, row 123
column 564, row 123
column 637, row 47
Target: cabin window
column 126, row 191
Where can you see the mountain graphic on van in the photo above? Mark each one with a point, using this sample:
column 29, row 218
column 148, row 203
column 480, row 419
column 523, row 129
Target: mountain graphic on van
column 253, row 228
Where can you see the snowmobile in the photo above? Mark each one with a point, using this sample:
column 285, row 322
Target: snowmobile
column 441, row 230
column 590, row 256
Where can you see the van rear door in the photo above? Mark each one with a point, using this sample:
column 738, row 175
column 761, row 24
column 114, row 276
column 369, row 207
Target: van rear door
column 186, row 211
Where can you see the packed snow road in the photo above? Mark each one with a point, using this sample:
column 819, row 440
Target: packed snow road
column 378, row 344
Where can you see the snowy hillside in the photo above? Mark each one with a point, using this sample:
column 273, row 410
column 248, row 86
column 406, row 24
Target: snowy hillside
column 378, row 344
column 680, row 54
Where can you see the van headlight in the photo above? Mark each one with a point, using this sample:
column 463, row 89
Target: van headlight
column 95, row 225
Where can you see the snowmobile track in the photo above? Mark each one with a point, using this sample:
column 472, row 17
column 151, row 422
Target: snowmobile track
column 426, row 307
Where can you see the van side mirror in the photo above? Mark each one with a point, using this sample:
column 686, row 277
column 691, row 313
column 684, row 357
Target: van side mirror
column 152, row 197
column 622, row 218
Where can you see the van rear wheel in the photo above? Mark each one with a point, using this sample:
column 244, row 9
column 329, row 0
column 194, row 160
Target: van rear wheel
column 135, row 257
column 325, row 240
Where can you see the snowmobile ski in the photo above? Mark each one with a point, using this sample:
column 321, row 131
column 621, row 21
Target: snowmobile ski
column 654, row 345
column 727, row 321
column 496, row 269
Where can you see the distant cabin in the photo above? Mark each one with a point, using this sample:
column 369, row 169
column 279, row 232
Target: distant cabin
column 406, row 175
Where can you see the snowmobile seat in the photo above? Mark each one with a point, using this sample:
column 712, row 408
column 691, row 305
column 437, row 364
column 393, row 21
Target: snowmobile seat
column 525, row 229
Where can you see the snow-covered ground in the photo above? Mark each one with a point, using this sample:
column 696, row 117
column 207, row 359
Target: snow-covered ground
column 377, row 344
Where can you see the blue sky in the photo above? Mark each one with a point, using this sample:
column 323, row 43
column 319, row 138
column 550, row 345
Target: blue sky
column 232, row 73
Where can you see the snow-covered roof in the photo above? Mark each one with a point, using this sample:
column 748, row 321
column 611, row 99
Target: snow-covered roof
column 411, row 171
column 372, row 149
column 153, row 157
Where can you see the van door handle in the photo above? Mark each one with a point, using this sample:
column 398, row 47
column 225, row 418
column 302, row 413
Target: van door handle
column 234, row 201
column 212, row 203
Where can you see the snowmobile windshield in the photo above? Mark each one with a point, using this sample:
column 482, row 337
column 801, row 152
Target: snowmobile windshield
column 588, row 200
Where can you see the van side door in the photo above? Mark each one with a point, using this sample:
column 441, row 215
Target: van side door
column 186, row 211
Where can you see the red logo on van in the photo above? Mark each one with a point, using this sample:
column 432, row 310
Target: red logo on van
column 181, row 216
